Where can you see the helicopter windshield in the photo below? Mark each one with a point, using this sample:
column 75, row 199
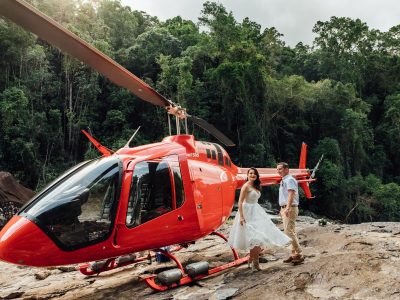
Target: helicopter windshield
column 79, row 209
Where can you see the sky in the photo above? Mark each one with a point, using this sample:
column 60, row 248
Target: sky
column 292, row 18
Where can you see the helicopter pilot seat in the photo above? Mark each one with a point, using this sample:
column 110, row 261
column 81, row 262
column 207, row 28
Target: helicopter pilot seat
column 159, row 199
column 151, row 192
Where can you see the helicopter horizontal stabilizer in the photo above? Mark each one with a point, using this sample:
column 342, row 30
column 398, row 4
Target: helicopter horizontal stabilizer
column 269, row 176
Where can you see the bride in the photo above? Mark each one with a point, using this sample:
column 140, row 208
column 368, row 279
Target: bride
column 252, row 228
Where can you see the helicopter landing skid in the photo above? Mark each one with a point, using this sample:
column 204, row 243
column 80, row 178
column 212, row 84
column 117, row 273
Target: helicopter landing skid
column 154, row 282
column 116, row 262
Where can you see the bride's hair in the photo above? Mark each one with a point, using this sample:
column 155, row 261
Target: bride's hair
column 257, row 182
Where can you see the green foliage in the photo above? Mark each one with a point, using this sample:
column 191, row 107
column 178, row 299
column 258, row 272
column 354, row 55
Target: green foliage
column 331, row 176
column 389, row 130
column 142, row 55
column 114, row 121
column 223, row 27
column 17, row 134
column 185, row 31
column 330, row 148
column 340, row 95
column 175, row 79
column 388, row 202
column 123, row 24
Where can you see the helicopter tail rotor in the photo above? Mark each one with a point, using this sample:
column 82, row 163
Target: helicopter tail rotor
column 305, row 184
column 316, row 168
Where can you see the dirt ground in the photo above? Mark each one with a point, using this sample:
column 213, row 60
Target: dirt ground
column 342, row 262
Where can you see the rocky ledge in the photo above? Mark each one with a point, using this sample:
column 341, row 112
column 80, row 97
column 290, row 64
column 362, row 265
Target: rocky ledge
column 12, row 196
column 342, row 262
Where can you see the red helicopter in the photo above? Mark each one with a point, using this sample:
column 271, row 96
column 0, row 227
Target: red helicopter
column 109, row 209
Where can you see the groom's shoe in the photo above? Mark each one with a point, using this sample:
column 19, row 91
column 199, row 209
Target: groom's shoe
column 288, row 260
column 298, row 260
column 250, row 262
column 256, row 265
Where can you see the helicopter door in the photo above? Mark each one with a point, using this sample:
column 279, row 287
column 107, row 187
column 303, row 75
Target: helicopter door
column 156, row 189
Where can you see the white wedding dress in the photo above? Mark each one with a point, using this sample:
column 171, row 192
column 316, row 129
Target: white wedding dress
column 258, row 230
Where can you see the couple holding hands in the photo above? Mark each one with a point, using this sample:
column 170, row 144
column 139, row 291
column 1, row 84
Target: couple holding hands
column 253, row 229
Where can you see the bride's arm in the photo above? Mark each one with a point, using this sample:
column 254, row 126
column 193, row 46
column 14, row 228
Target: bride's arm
column 243, row 191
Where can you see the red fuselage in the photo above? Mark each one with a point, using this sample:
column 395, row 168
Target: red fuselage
column 209, row 184
column 137, row 199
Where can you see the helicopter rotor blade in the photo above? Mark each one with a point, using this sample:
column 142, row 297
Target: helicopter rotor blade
column 47, row 29
column 212, row 130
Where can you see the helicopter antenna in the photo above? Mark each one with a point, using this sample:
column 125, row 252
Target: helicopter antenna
column 186, row 126
column 129, row 141
column 178, row 126
column 169, row 125
column 317, row 166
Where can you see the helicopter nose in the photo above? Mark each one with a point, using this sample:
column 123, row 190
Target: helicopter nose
column 21, row 241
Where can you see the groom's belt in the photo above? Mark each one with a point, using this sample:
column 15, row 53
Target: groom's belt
column 293, row 205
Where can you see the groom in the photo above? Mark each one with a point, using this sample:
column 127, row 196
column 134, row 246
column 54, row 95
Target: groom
column 289, row 202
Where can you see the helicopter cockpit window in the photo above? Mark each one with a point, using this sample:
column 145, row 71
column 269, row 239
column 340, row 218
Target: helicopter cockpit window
column 80, row 209
column 156, row 189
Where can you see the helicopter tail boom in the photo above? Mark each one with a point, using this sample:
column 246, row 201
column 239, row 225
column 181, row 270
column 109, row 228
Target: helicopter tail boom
column 269, row 176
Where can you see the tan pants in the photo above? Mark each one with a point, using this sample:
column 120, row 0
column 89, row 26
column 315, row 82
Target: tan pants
column 289, row 225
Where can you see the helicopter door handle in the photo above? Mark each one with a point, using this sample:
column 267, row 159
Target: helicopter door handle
column 115, row 240
column 180, row 218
